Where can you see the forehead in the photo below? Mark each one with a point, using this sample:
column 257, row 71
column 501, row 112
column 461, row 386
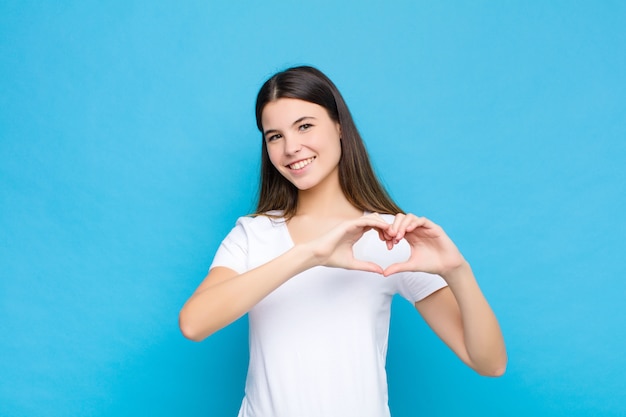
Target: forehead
column 284, row 111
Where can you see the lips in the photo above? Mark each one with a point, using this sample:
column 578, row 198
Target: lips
column 300, row 164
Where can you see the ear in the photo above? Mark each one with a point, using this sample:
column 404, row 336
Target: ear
column 338, row 126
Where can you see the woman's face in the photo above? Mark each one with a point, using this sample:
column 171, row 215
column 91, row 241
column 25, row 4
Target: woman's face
column 303, row 142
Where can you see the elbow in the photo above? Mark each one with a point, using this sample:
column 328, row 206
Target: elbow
column 493, row 372
column 189, row 330
column 190, row 334
column 493, row 369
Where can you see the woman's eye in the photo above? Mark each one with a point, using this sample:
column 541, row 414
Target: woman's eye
column 273, row 138
column 305, row 126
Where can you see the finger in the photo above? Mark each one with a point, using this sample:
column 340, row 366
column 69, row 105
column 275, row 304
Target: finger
column 395, row 225
column 373, row 216
column 404, row 225
column 389, row 234
column 388, row 240
column 387, row 237
column 366, row 266
column 427, row 223
column 361, row 226
column 395, row 268
column 429, row 227
column 374, row 221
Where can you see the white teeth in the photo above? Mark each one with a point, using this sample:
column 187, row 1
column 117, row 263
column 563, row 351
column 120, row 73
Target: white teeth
column 301, row 164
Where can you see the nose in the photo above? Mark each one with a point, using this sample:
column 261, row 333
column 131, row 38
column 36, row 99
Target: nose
column 292, row 145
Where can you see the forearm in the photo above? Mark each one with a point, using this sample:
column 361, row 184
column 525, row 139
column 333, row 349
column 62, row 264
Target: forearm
column 219, row 304
column 481, row 332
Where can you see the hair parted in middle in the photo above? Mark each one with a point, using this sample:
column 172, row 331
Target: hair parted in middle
column 356, row 176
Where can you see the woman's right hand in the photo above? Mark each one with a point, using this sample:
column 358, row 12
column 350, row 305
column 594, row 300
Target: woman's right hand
column 334, row 249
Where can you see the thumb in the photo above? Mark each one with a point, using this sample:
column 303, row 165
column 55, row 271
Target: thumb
column 366, row 266
column 395, row 268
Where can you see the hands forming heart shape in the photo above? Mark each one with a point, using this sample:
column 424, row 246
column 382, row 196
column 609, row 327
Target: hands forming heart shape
column 432, row 250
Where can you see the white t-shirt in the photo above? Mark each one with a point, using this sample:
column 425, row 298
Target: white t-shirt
column 318, row 343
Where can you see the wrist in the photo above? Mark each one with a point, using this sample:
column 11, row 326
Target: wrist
column 307, row 255
column 457, row 273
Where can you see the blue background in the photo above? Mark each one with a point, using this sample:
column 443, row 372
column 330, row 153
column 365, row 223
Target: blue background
column 128, row 149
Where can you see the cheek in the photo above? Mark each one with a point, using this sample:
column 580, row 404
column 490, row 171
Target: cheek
column 273, row 157
column 338, row 148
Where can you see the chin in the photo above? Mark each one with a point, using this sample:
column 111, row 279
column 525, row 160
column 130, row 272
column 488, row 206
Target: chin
column 304, row 185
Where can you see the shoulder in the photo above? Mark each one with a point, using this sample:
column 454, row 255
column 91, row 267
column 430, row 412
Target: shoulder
column 256, row 221
column 258, row 227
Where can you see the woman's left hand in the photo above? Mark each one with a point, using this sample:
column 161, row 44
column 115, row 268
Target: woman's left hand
column 432, row 250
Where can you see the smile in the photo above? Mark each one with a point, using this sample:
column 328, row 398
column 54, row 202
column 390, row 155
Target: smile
column 301, row 164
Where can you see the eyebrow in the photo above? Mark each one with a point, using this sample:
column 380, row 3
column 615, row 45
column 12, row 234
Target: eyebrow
column 265, row 133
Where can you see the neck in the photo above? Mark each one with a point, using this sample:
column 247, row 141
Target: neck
column 328, row 202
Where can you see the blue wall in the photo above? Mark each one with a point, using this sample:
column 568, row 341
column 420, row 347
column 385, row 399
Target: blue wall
column 128, row 149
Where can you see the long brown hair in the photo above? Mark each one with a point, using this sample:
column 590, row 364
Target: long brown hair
column 356, row 176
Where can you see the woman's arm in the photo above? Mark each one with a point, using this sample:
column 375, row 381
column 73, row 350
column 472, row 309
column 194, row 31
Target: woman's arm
column 224, row 295
column 459, row 314
column 462, row 318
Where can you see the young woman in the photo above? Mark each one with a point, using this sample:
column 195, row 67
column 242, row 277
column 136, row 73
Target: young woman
column 318, row 264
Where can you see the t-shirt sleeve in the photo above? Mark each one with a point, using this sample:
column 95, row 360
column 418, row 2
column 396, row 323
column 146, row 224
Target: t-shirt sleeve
column 233, row 251
column 415, row 286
